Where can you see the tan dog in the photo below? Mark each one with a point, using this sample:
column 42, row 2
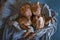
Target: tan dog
column 25, row 19
column 37, row 20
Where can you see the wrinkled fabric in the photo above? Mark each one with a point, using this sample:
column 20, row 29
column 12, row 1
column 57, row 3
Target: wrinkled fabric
column 11, row 34
column 8, row 3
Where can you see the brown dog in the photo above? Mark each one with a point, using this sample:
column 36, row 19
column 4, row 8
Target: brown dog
column 37, row 20
column 25, row 19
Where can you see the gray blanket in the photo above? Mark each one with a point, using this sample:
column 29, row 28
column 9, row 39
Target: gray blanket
column 11, row 34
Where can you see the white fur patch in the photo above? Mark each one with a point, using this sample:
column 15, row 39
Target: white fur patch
column 41, row 22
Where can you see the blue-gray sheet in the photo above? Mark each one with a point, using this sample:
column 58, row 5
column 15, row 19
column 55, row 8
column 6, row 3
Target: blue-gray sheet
column 7, row 34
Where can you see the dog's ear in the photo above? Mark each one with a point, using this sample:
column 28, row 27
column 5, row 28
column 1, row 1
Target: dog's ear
column 38, row 4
